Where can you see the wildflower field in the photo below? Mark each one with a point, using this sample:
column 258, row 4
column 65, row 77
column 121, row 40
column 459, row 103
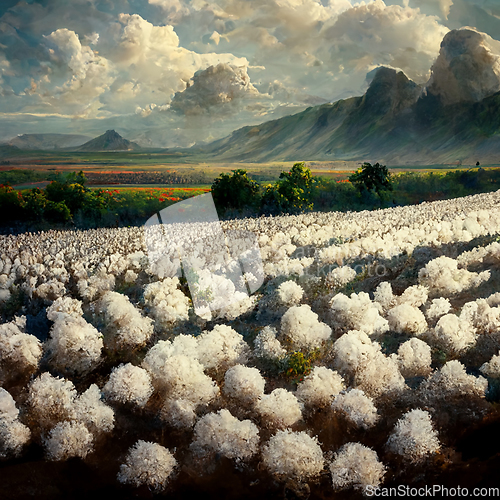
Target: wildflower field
column 368, row 357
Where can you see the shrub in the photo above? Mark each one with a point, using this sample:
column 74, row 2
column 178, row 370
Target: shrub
column 67, row 440
column 414, row 436
column 279, row 409
column 148, row 464
column 267, row 346
column 369, row 177
column 74, row 345
column 244, row 384
column 293, row 455
column 224, row 434
column 357, row 407
column 414, row 358
column 319, row 387
column 356, row 466
column 129, row 384
column 301, row 327
column 13, row 434
column 235, row 191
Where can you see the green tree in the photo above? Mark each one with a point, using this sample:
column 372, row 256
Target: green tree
column 236, row 191
column 372, row 177
column 292, row 193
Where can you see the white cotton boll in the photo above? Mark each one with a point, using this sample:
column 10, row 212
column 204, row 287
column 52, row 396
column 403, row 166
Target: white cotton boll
column 492, row 367
column 357, row 407
column 185, row 345
column 340, row 276
column 148, row 464
column 8, row 410
column 4, row 295
column 356, row 466
column 415, row 296
column 486, row 319
column 221, row 348
column 96, row 285
column 414, row 436
column 293, row 455
column 64, row 306
column 302, row 328
column 453, row 334
column 244, row 384
column 179, row 413
column 453, row 381
column 51, row 399
column 384, row 296
column 439, row 307
column 13, row 436
column 361, row 360
column 358, row 313
column 290, row 293
column 130, row 276
column 125, row 327
column 406, row 318
column 19, row 352
column 414, row 358
column 267, row 346
column 442, row 276
column 50, row 291
column 319, row 387
column 167, row 303
column 75, row 346
column 226, row 435
column 279, row 409
column 129, row 384
column 182, row 377
column 67, row 440
column 91, row 411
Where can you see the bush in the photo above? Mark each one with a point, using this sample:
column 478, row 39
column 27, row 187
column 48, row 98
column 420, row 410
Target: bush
column 235, row 191
column 372, row 177
column 292, row 193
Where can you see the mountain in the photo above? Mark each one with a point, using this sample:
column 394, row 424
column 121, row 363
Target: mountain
column 455, row 117
column 48, row 141
column 109, row 141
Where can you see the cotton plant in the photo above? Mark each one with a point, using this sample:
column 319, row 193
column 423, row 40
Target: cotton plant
column 14, row 435
column 454, row 334
column 414, row 437
column 74, row 345
column 148, row 464
column 167, row 303
column 279, row 409
column 300, row 326
column 267, row 346
column 356, row 407
column 68, row 439
column 414, row 358
column 357, row 312
column 124, row 325
column 362, row 363
column 356, row 466
column 492, row 367
column 20, row 352
column 339, row 277
column 224, row 434
column 244, row 385
column 293, row 455
column 319, row 387
column 129, row 384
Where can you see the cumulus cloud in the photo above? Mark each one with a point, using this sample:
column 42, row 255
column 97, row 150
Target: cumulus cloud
column 468, row 67
column 218, row 87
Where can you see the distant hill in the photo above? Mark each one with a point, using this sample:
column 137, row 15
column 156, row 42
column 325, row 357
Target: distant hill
column 48, row 141
column 109, row 141
column 6, row 150
column 396, row 121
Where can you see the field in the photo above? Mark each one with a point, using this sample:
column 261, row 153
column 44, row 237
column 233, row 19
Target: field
column 365, row 355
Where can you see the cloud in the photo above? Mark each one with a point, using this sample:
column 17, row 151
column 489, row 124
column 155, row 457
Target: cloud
column 218, row 89
column 468, row 67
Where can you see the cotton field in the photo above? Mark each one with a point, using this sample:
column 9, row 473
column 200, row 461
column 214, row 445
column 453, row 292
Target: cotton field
column 362, row 351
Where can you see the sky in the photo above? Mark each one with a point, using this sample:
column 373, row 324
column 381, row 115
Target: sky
column 169, row 73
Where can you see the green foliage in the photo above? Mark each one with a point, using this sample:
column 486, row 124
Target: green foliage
column 292, row 193
column 299, row 365
column 372, row 177
column 235, row 191
column 10, row 203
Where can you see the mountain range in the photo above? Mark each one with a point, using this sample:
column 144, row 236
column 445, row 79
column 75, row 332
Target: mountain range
column 48, row 141
column 454, row 118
